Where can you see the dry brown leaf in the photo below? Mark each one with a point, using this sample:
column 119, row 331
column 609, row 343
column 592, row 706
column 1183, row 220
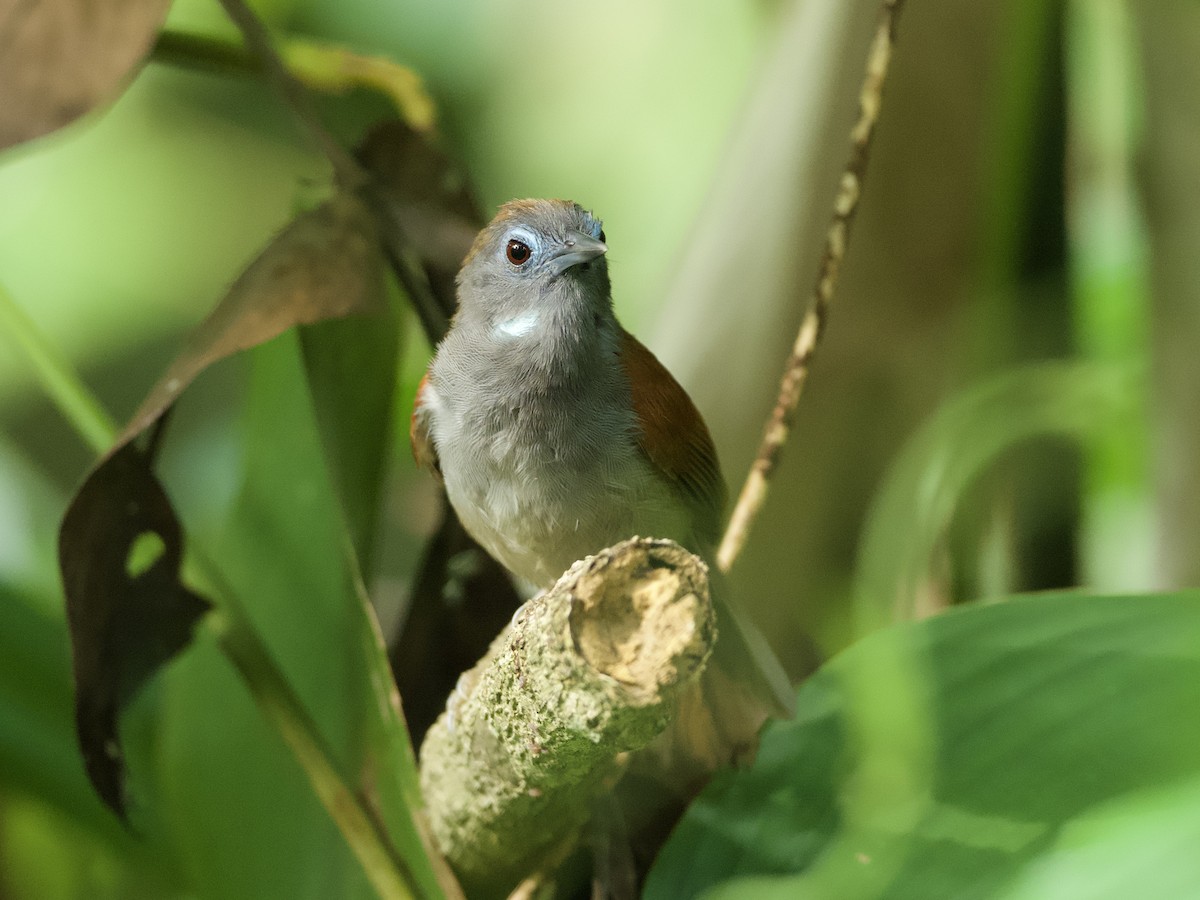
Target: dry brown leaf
column 129, row 613
column 61, row 58
column 127, row 617
column 324, row 265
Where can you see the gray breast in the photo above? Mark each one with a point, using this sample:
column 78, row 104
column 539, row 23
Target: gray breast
column 540, row 462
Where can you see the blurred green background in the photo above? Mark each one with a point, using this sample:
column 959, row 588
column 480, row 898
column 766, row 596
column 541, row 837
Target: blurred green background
column 1032, row 197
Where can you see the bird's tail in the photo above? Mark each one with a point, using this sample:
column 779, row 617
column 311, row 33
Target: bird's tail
column 743, row 654
column 719, row 719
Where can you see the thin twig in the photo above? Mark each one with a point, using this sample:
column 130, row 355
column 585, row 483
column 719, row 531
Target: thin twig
column 205, row 53
column 349, row 174
column 795, row 372
column 323, row 67
column 435, row 319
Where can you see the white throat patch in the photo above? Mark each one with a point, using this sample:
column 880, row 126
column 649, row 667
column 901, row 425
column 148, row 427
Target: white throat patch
column 517, row 326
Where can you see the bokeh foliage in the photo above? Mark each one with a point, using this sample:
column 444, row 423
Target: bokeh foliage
column 1027, row 202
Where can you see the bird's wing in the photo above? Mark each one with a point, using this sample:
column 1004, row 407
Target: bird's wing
column 745, row 684
column 419, row 434
column 674, row 438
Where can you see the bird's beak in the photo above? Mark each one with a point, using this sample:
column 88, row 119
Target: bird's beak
column 577, row 248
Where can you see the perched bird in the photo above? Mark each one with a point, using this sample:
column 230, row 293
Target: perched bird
column 557, row 434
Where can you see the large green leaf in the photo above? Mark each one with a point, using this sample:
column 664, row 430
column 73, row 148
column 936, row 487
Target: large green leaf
column 243, row 814
column 246, row 818
column 1142, row 842
column 351, row 372
column 1038, row 711
column 40, row 761
column 351, row 366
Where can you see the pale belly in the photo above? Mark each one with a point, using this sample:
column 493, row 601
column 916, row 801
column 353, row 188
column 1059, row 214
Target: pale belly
column 543, row 473
column 539, row 518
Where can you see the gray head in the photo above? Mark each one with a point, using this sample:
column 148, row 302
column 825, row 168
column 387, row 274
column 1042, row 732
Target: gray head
column 535, row 257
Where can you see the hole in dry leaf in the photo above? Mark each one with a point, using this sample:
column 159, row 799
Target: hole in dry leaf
column 147, row 549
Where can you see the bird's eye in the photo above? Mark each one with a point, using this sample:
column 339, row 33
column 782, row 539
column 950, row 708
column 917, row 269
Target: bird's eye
column 603, row 239
column 518, row 253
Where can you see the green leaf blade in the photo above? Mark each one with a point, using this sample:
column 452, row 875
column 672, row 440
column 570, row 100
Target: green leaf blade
column 1042, row 709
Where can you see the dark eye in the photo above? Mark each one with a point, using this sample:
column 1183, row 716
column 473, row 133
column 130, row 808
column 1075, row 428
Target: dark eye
column 517, row 252
column 603, row 239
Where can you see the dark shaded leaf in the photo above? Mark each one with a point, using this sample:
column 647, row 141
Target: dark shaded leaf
column 124, row 622
column 461, row 600
column 121, row 545
column 431, row 208
column 61, row 58
column 1042, row 709
column 351, row 365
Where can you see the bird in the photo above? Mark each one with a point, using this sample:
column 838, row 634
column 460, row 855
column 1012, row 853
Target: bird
column 557, row 433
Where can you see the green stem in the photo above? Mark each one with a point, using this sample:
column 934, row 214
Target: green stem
column 205, row 53
column 281, row 707
column 57, row 377
column 1109, row 283
column 320, row 66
